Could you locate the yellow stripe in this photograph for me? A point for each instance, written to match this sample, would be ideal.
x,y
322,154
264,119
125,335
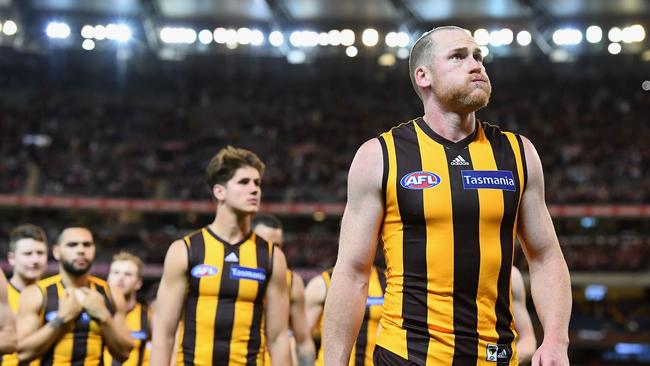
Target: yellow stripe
x,y
243,306
520,172
392,336
179,341
440,251
206,308
491,214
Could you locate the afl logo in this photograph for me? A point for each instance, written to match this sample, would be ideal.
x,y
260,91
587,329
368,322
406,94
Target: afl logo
x,y
420,180
203,270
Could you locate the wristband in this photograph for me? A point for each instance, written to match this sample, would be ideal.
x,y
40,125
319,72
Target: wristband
x,y
57,322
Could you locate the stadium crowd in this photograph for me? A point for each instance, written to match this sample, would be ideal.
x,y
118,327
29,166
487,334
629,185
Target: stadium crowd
x,y
151,138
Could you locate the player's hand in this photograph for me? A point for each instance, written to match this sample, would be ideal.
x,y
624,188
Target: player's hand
x,y
551,354
69,307
93,303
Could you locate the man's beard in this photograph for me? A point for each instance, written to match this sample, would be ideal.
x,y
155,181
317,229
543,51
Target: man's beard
x,y
463,100
74,271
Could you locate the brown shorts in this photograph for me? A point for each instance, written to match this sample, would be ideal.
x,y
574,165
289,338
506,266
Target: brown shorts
x,y
383,357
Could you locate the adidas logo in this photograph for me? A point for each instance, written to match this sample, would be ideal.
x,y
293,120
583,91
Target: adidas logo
x,y
459,161
232,257
503,354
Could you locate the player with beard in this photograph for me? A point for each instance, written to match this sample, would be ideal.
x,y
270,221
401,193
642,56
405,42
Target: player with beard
x,y
224,284
69,318
7,321
448,194
125,273
28,258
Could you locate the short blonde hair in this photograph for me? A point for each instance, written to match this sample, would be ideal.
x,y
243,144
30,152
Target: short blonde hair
x,y
126,256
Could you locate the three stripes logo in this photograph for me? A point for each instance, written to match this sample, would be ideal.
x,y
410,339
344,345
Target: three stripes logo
x,y
458,160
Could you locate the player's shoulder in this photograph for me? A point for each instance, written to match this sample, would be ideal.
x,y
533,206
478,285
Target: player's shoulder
x,y
97,281
46,282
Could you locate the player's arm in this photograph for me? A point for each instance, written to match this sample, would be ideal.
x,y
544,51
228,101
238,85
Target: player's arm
x,y
526,342
34,337
7,321
304,342
315,293
277,312
169,301
113,327
346,299
549,275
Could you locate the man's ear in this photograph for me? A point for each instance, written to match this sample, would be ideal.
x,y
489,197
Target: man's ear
x,y
55,252
218,191
423,77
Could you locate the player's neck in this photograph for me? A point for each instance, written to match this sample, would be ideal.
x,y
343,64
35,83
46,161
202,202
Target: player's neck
x,y
131,301
452,126
230,226
19,283
71,281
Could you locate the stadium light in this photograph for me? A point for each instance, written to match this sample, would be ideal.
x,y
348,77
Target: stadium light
x,y
10,28
634,33
230,38
351,51
88,31
615,34
334,37
347,38
177,35
257,37
484,51
276,38
614,48
100,32
502,37
386,60
88,44
205,36
524,38
219,35
403,53
296,57
482,37
391,39
567,37
118,32
323,39
403,39
244,36
58,30
370,37
303,39
594,34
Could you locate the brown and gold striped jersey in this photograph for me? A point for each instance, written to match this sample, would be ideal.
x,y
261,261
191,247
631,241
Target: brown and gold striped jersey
x,y
82,343
223,317
363,347
138,321
449,230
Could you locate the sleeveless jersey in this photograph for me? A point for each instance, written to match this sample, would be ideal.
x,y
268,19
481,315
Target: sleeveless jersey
x,y
449,230
223,317
137,321
363,347
82,343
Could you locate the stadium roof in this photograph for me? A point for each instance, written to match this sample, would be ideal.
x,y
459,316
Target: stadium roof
x,y
349,11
